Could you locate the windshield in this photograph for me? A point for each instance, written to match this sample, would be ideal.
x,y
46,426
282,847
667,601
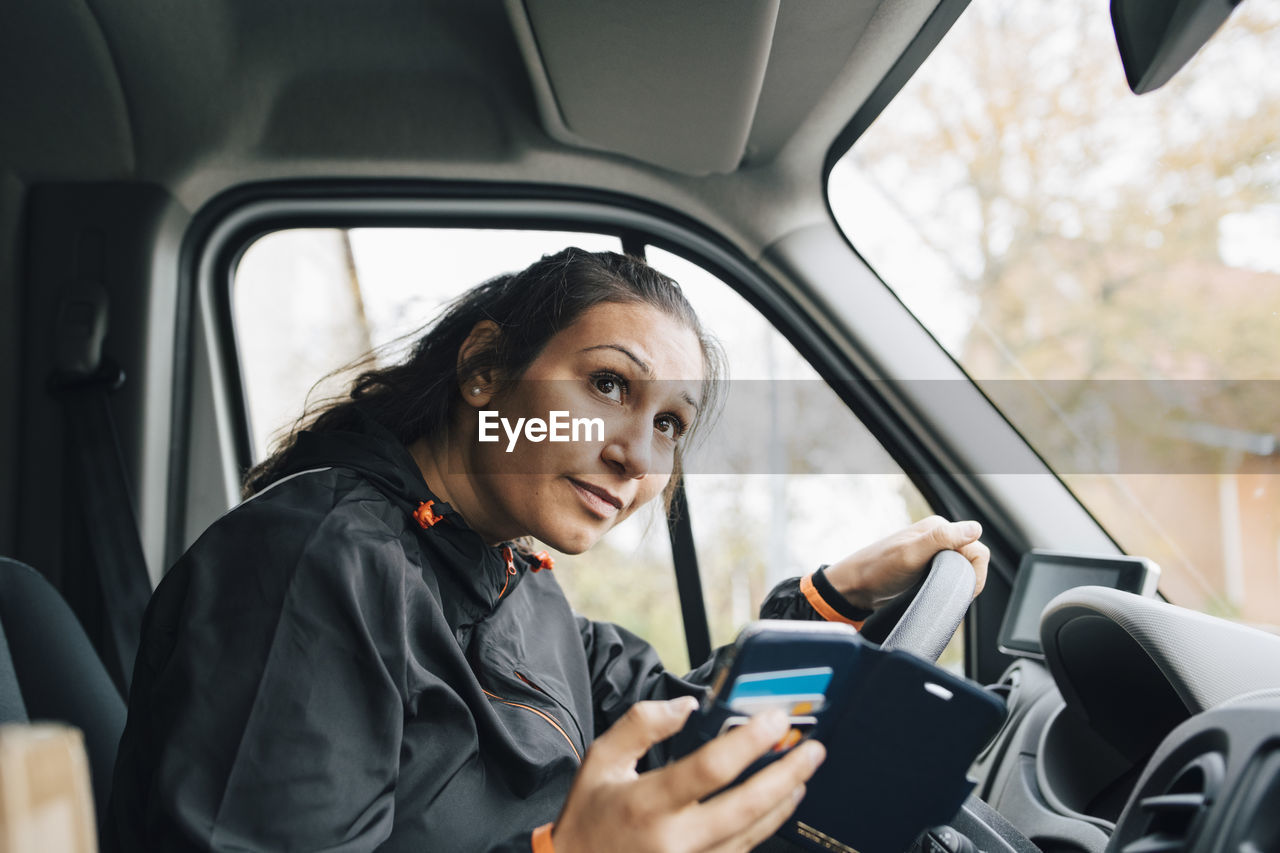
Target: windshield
x,y
1106,267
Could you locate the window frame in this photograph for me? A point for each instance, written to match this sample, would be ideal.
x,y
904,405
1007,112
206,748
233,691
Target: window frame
x,y
223,230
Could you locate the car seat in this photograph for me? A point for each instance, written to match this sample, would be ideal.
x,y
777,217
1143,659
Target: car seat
x,y
50,671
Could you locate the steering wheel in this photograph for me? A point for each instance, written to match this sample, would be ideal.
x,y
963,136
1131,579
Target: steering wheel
x,y
923,619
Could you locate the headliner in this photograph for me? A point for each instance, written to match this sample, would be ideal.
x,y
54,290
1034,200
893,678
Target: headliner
x,y
724,110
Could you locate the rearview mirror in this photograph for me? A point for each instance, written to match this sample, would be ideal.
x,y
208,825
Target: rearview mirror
x,y
1157,37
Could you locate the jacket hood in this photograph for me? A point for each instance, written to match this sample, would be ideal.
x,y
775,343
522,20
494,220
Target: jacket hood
x,y
373,452
485,572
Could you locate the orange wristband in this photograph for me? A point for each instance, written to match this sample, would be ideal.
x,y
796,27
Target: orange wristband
x,y
825,610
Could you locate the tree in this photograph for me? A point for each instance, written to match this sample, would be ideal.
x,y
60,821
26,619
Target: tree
x,y
1097,237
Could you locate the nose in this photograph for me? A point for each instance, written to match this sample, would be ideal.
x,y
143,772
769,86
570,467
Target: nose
x,y
628,448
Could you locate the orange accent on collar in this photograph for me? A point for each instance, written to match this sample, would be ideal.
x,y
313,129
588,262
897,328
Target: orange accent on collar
x,y
544,561
826,611
426,516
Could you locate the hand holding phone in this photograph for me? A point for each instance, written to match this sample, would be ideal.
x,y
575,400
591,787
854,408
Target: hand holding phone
x,y
787,666
677,807
900,732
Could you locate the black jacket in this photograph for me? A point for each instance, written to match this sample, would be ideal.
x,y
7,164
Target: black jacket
x,y
321,671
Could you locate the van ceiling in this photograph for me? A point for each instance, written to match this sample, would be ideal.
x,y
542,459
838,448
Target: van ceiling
x,y
200,97
634,78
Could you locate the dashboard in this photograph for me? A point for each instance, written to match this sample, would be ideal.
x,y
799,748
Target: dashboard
x,y
1148,728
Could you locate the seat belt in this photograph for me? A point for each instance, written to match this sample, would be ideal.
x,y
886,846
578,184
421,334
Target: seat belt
x,y
83,379
693,610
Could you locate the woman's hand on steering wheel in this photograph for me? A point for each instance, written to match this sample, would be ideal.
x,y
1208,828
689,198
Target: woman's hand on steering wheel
x,y
671,809
874,575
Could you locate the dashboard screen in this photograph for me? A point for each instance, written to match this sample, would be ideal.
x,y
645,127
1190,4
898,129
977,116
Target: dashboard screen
x,y
1043,575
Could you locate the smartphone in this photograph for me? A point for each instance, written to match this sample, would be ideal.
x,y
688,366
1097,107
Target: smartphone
x,y
796,667
900,731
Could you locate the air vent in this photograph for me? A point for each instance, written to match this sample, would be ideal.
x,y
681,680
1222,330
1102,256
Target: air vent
x,y
1174,814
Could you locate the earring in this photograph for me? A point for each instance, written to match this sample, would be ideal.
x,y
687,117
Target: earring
x,y
475,392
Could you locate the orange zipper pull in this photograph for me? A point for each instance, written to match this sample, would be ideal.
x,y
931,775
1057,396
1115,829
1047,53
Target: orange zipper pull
x,y
511,569
544,561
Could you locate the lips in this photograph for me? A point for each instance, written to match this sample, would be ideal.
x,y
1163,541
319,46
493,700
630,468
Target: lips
x,y
600,501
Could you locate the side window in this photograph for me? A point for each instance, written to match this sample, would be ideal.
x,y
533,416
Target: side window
x,y
311,301
787,479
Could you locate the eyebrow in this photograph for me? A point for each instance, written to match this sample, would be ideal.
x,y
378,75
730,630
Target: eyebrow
x,y
643,365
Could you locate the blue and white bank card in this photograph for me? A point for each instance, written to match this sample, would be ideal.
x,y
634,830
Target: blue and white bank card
x,y
795,691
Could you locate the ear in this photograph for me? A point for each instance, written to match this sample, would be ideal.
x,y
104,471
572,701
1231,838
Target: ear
x,y
477,388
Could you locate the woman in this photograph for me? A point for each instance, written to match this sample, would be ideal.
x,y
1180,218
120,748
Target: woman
x,y
363,654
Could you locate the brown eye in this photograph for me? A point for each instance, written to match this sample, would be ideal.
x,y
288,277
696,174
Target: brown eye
x,y
608,385
670,426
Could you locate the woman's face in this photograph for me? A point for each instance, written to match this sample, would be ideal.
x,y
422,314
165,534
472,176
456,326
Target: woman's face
x,y
636,372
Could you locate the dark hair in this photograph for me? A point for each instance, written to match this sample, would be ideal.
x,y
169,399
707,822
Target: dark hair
x,y
416,397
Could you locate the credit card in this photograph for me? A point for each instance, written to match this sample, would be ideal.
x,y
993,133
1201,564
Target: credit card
x,y
793,685
793,705
800,726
